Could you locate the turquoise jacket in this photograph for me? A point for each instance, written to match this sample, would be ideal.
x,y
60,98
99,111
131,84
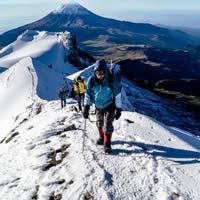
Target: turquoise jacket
x,y
100,92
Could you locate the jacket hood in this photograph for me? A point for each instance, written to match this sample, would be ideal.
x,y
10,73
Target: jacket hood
x,y
100,65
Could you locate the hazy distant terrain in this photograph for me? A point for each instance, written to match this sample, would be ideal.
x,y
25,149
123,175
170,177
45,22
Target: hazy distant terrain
x,y
192,31
169,73
93,30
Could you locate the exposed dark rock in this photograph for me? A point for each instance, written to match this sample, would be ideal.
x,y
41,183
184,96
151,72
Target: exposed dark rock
x,y
38,108
24,120
35,195
56,197
175,196
129,121
52,157
78,57
71,127
71,182
88,196
11,137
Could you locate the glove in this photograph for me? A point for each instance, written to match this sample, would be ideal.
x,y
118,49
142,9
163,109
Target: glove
x,y
86,111
118,113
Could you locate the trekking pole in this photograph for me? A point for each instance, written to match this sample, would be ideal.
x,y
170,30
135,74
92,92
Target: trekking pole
x,y
84,132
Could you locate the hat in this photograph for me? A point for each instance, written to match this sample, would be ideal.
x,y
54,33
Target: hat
x,y
79,78
100,65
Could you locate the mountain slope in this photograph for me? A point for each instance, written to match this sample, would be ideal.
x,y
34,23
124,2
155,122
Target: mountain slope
x,y
47,153
46,47
31,77
57,158
23,84
93,30
14,97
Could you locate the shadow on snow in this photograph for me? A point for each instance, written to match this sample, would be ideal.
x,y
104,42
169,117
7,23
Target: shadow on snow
x,y
158,150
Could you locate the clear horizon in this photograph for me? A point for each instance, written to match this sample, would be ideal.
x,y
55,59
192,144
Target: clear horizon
x,y
15,13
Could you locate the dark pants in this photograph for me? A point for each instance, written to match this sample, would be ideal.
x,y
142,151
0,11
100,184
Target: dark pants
x,y
63,103
80,101
105,118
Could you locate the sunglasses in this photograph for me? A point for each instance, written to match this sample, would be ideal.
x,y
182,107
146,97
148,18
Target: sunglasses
x,y
100,73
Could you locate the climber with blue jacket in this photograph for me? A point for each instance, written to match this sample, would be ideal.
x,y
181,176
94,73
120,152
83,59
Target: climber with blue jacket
x,y
103,89
62,95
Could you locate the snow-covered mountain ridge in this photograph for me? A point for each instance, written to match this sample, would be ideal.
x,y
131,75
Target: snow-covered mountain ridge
x,y
35,60
57,159
45,152
38,45
47,47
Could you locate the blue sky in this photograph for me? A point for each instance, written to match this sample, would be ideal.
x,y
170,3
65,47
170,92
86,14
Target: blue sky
x,y
119,4
170,12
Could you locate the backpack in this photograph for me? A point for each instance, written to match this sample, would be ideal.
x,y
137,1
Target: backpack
x,y
79,85
72,94
116,72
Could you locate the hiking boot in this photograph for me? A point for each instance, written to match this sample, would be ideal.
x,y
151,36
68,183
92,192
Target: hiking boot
x,y
107,150
100,141
107,144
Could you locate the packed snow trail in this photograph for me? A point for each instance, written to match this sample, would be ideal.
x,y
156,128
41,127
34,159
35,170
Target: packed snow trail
x,y
49,162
